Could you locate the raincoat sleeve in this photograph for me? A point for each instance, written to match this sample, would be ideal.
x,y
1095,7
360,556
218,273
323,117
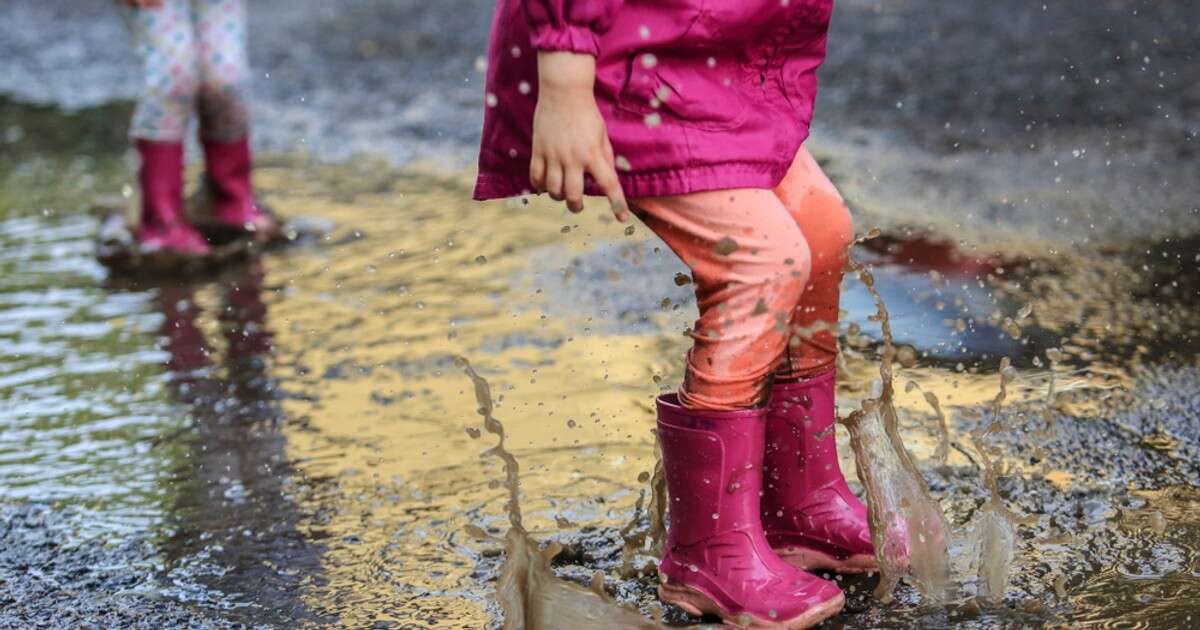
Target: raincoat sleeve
x,y
570,25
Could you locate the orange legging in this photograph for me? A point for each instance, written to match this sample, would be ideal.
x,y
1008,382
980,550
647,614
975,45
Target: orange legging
x,y
767,265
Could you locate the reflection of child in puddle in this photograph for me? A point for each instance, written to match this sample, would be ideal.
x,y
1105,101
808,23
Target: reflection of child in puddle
x,y
698,115
232,404
242,319
236,470
193,55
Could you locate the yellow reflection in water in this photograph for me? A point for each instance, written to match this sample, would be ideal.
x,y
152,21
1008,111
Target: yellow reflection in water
x,y
415,274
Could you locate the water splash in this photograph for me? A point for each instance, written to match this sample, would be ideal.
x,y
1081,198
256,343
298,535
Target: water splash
x,y
649,540
512,470
993,532
531,596
907,526
942,451
1050,431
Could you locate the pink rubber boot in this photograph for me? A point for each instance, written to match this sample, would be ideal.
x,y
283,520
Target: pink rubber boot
x,y
717,560
811,518
235,210
163,232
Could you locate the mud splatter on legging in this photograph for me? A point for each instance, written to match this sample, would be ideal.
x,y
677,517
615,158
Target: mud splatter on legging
x,y
767,266
194,59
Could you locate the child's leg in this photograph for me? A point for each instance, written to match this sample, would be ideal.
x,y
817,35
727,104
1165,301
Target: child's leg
x,y
224,126
822,215
224,68
750,262
165,43
810,516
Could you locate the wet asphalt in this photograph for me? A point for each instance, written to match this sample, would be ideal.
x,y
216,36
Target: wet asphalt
x,y
47,581
1007,123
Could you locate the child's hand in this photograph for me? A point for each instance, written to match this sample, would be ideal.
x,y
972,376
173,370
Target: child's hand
x,y
145,4
569,136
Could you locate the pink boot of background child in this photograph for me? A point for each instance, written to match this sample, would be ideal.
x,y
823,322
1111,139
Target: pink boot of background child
x,y
163,234
717,560
235,211
810,516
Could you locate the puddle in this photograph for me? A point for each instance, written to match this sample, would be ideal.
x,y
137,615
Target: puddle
x,y
297,441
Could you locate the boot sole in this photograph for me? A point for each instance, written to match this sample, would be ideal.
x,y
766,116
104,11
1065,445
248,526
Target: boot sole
x,y
810,559
695,602
199,209
117,248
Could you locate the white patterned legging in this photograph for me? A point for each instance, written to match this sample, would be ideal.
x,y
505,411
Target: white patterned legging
x,y
194,59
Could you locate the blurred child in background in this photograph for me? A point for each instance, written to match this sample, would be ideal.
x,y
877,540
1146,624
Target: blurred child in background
x,y
194,62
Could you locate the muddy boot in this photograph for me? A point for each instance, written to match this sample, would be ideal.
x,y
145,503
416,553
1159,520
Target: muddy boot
x,y
235,211
164,238
811,518
717,559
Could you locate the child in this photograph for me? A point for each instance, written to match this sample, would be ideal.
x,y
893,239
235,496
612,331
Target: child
x,y
706,106
193,56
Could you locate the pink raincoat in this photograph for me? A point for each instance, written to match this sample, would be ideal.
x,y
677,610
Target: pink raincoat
x,y
697,94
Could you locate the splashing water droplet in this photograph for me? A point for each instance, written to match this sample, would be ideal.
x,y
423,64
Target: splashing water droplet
x,y
898,501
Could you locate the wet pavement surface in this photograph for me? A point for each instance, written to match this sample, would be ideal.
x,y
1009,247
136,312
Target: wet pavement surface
x,y
293,443
51,580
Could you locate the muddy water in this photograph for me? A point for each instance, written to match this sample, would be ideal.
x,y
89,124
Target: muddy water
x,y
908,529
299,441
